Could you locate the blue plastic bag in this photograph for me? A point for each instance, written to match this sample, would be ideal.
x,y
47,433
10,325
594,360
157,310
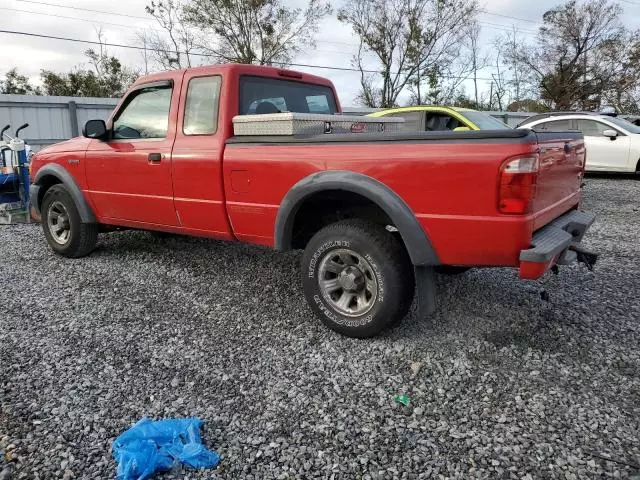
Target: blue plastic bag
x,y
154,446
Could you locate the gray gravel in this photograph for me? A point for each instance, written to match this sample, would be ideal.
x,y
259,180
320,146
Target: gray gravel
x,y
501,383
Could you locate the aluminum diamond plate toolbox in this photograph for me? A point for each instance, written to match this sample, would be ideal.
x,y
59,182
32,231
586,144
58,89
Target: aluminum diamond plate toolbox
x,y
292,123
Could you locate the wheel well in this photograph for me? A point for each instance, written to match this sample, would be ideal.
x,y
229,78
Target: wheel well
x,y
46,183
330,206
638,166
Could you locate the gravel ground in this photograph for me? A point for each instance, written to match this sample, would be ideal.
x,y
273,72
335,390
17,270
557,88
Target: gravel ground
x,y
501,383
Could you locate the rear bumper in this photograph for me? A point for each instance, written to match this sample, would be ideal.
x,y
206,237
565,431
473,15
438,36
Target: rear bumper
x,y
555,244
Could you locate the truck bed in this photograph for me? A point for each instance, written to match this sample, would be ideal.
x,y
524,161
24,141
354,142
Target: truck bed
x,y
448,179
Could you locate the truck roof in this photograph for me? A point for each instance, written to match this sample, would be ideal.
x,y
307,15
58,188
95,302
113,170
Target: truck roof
x,y
243,69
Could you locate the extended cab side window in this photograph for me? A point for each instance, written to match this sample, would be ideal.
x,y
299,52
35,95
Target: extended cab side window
x,y
145,114
201,106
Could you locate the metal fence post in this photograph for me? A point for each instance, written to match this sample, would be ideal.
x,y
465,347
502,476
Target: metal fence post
x,y
73,118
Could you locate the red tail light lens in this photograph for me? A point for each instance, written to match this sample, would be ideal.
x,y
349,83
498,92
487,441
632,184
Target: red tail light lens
x,y
518,180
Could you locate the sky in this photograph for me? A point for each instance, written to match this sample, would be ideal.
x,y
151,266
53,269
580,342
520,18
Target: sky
x,y
119,21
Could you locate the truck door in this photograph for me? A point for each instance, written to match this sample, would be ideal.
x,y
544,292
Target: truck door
x,y
197,157
129,175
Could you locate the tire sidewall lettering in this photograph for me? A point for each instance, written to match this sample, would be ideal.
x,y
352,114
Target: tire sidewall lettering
x,y
320,251
379,277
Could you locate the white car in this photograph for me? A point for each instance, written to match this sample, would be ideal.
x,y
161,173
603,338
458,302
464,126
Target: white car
x,y
612,143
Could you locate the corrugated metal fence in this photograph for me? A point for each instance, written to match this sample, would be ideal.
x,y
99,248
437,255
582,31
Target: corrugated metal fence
x,y
53,119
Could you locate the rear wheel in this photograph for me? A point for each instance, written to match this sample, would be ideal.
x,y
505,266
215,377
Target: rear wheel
x,y
357,277
63,227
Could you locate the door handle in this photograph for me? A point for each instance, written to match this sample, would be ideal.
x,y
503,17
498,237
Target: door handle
x,y
155,157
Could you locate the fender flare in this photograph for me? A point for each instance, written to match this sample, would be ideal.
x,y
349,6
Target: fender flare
x,y
418,245
65,178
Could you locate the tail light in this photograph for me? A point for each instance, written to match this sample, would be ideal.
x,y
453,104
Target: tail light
x,y
518,180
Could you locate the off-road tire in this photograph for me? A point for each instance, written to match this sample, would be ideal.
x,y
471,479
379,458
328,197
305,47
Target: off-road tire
x,y
82,236
381,254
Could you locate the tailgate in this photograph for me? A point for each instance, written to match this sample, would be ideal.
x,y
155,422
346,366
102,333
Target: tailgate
x,y
562,157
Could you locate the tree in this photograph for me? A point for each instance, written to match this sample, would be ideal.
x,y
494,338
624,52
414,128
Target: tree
x,y
499,84
566,61
446,80
107,78
264,32
412,41
621,59
174,48
513,74
17,84
527,105
479,60
463,101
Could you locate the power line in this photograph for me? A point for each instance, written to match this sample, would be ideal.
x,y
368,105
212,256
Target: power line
x,y
495,26
485,11
49,4
80,19
130,26
136,47
495,14
498,26
490,25
136,27
83,9
115,24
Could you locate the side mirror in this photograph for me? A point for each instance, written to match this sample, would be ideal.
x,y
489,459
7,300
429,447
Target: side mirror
x,y
95,129
611,133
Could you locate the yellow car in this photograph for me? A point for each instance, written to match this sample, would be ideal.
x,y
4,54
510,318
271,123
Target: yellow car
x,y
434,119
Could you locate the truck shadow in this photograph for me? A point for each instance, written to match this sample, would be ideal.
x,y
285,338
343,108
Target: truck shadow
x,y
490,305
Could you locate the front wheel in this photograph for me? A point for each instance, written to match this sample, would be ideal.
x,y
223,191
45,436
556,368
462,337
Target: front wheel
x,y
357,277
63,227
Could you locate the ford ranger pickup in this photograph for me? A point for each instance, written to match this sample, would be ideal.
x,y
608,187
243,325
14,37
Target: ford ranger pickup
x,y
375,213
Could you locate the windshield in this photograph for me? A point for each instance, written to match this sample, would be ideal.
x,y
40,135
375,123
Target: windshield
x,y
260,95
622,123
484,121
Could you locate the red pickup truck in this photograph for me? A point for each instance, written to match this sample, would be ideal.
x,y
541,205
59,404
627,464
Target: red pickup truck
x,y
376,213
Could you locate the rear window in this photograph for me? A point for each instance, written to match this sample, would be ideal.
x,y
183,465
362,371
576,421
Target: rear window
x,y
260,95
